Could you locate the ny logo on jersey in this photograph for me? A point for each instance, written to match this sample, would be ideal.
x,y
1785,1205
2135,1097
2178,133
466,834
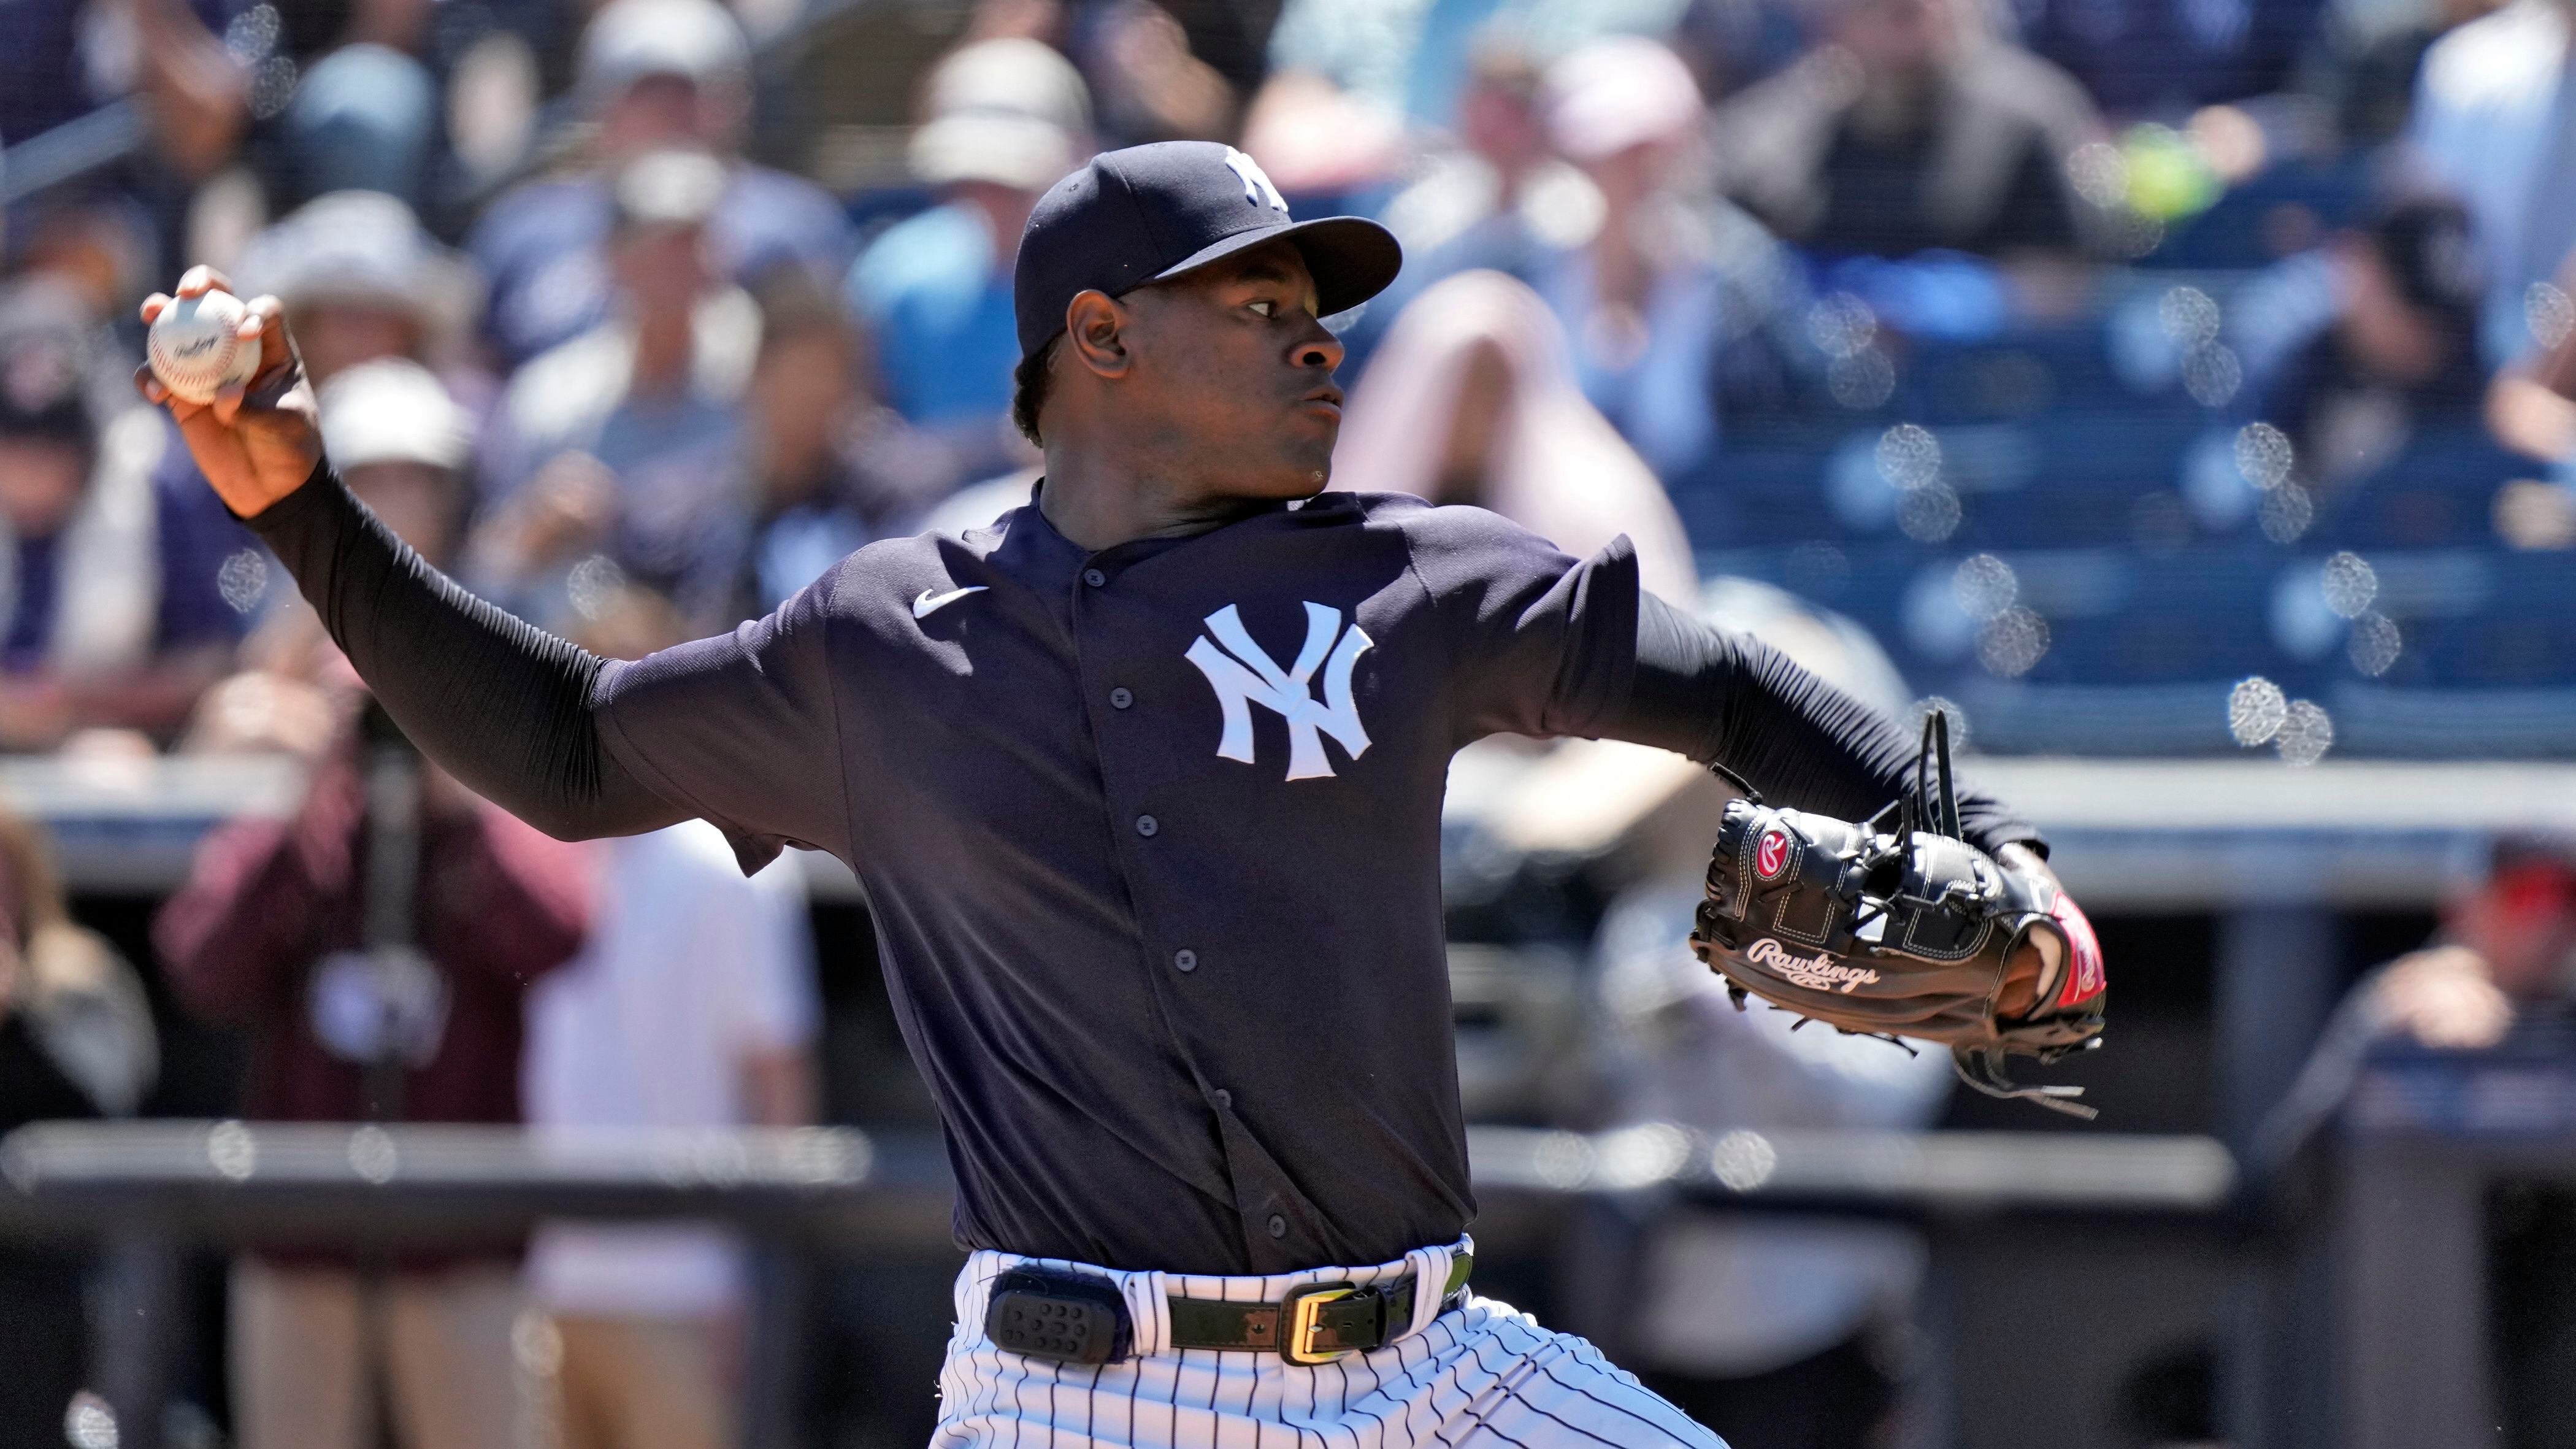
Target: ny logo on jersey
x,y
1243,675
1256,182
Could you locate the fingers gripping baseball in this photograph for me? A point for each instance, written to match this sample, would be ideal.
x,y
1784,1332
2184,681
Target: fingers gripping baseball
x,y
229,373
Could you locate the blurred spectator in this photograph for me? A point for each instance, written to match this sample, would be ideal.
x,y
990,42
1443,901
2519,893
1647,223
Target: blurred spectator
x,y
99,243
2365,57
1496,194
1412,60
1730,44
2506,950
2400,351
626,442
2507,944
76,1041
71,1008
281,930
1404,60
1912,126
67,59
1667,295
365,115
124,597
653,75
2495,124
810,428
1471,399
1641,295
1005,118
1151,87
692,1006
2148,58
347,93
363,280
1230,35
394,434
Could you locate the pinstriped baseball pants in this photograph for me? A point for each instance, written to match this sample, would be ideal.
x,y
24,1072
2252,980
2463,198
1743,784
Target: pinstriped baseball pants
x,y
1482,1376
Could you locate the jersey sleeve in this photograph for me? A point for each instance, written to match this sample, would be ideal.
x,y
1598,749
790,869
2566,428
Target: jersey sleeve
x,y
1730,701
504,706
740,729
1542,643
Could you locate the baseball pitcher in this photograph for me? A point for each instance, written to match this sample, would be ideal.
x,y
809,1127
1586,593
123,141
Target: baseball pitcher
x,y
1144,783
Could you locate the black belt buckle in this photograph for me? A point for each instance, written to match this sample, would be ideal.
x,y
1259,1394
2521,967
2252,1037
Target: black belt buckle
x,y
1067,1317
1320,1322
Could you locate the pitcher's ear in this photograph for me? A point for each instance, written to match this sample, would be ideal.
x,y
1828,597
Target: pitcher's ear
x,y
1095,332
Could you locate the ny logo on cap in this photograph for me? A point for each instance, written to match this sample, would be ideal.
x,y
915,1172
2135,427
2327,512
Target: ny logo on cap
x,y
1256,182
1250,676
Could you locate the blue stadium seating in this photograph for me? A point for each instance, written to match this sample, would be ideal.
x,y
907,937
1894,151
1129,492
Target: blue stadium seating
x,y
2091,476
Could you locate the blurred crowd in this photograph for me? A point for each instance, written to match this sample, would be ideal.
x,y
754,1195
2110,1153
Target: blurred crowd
x,y
636,315
567,278
567,283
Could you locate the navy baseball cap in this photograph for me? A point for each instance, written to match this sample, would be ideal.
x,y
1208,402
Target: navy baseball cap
x,y
1151,213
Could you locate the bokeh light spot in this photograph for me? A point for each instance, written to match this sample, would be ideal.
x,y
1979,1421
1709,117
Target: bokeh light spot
x,y
2264,455
2255,709
2375,644
2306,733
2012,642
2350,583
1929,514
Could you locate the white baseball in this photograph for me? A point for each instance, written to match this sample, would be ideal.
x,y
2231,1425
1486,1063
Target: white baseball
x,y
196,349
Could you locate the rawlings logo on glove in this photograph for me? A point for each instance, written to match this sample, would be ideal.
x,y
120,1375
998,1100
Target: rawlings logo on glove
x,y
1895,927
1818,972
1772,855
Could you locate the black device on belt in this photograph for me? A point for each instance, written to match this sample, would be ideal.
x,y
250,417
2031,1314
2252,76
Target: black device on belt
x,y
1079,1318
1068,1317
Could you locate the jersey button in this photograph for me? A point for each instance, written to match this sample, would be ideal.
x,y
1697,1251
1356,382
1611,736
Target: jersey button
x,y
1094,577
1278,1226
1224,1098
1146,825
1185,959
1120,698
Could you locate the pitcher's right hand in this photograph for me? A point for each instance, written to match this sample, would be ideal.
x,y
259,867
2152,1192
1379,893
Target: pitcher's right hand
x,y
256,442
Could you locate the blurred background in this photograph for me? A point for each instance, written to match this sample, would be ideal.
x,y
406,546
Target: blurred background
x,y
2167,389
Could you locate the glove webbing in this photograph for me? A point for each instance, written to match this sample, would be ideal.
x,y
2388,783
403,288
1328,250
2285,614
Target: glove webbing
x,y
1984,1070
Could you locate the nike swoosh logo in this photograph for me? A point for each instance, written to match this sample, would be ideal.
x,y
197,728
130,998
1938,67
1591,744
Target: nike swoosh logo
x,y
930,603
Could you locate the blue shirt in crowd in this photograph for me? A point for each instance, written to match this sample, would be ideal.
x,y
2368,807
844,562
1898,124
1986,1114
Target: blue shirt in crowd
x,y
939,303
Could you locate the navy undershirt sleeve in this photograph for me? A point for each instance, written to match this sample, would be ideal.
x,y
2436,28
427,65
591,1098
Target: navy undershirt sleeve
x,y
1732,702
501,704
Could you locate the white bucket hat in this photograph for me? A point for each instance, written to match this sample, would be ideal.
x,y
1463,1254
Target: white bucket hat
x,y
1012,112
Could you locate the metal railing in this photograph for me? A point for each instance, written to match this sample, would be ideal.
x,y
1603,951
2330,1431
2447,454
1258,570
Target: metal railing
x,y
149,1192
72,150
2148,834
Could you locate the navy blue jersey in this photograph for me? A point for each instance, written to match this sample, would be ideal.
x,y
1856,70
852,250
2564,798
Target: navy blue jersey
x,y
1152,840
1151,834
